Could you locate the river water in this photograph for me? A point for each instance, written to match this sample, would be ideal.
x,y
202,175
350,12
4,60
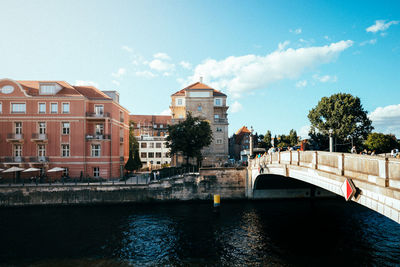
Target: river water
x,y
257,233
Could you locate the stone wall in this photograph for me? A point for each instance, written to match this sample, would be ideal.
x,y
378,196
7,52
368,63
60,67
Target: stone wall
x,y
228,182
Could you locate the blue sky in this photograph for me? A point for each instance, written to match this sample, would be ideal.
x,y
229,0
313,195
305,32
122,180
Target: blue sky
x,y
274,59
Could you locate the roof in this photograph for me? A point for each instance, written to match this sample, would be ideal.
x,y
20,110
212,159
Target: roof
x,y
32,88
153,119
243,130
199,86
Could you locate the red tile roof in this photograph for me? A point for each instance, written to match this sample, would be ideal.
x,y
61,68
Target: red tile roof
x,y
199,86
243,130
154,119
91,92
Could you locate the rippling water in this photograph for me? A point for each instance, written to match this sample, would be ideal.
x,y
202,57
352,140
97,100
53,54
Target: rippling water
x,y
262,233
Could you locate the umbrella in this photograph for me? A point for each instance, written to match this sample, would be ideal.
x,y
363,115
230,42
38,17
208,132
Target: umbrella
x,y
1,169
31,170
55,169
14,169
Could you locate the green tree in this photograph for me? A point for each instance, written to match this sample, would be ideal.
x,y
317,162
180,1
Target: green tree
x,y
381,143
137,163
134,162
267,139
189,137
293,138
344,114
130,165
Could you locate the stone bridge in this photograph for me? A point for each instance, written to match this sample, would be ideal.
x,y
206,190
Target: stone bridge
x,y
377,179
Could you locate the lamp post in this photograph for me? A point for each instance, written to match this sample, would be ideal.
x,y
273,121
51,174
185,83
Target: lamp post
x,y
251,143
330,140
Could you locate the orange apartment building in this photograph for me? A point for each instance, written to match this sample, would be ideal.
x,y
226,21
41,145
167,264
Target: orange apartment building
x,y
46,124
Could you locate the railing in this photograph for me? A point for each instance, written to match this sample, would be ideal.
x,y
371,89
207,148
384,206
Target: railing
x,y
98,115
14,159
37,136
14,136
98,137
220,120
373,169
39,159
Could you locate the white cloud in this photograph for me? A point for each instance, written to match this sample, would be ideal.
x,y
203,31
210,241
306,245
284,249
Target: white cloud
x,y
386,119
303,132
325,78
166,112
302,83
127,48
326,37
86,83
116,82
119,73
166,74
160,65
296,31
244,74
372,42
282,46
145,74
185,65
161,56
380,25
236,107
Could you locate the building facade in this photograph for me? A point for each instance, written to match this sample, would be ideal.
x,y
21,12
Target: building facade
x,y
208,104
238,142
46,124
151,131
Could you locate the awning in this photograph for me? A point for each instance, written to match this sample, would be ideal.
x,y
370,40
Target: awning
x,y
56,169
14,169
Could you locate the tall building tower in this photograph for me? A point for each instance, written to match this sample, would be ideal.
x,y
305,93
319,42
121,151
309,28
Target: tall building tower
x,y
208,104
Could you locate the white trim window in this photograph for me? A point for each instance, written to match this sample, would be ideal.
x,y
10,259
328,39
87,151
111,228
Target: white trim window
x,y
218,102
99,110
42,127
180,102
47,89
65,108
18,127
41,150
17,150
54,108
42,108
96,150
18,107
96,172
65,127
65,171
219,141
99,129
1,107
65,150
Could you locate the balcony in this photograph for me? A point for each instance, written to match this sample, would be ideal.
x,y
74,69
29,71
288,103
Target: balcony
x,y
98,137
97,115
221,120
39,137
13,137
14,159
40,159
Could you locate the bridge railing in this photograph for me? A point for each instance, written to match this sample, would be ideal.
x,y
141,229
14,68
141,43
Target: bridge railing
x,y
374,169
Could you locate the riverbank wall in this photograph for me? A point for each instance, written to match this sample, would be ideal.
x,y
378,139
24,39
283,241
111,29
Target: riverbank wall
x,y
228,182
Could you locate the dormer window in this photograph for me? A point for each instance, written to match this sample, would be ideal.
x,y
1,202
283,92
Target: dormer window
x,y
218,102
48,89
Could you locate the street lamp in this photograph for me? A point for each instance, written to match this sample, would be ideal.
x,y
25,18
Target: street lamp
x,y
330,140
251,142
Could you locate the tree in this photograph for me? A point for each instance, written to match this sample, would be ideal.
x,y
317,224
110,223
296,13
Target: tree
x,y
134,162
130,165
293,138
189,137
267,139
381,143
344,114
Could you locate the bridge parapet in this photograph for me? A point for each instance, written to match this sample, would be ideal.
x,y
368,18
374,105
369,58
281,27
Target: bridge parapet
x,y
374,169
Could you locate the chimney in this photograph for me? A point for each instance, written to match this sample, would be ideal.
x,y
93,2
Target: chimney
x,y
201,79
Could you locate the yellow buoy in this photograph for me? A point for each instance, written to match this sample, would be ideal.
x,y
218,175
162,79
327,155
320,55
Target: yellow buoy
x,y
217,200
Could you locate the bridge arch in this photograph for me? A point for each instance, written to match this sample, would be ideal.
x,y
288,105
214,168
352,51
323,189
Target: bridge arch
x,y
377,179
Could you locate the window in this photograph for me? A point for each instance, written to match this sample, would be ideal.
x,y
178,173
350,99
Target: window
x,y
143,145
158,162
246,140
65,107
165,155
54,108
151,145
66,171
218,102
48,89
219,141
216,116
42,127
151,155
199,108
143,155
179,102
41,150
42,107
99,129
18,108
65,150
155,126
99,110
17,150
181,116
219,129
96,150
65,127
161,126
1,107
158,154
18,127
96,172
158,145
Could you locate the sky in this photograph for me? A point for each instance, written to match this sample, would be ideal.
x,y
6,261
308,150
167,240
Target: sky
x,y
274,59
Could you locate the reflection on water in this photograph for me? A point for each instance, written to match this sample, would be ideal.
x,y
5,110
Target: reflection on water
x,y
277,233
